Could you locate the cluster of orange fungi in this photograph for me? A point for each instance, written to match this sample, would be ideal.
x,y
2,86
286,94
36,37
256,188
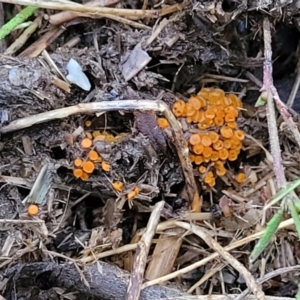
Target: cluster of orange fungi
x,y
85,167
215,136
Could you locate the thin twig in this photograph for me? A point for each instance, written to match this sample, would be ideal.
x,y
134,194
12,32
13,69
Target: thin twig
x,y
104,106
140,261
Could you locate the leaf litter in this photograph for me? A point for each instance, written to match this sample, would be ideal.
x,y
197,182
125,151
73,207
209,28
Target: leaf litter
x,y
92,226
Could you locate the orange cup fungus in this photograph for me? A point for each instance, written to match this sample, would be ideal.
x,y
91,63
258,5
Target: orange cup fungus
x,y
118,186
88,167
131,195
105,166
241,177
85,167
162,123
32,210
78,162
86,143
219,139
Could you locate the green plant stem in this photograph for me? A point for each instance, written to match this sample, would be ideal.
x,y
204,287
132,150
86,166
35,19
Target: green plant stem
x,y
18,19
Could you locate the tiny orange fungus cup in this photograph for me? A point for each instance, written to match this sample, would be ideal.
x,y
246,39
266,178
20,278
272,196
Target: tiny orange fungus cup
x,y
77,173
206,140
88,167
105,166
93,155
118,186
195,139
240,178
78,162
32,210
86,143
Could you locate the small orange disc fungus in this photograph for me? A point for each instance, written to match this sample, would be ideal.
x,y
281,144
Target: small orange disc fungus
x,y
202,126
212,182
204,93
78,162
223,154
214,156
213,136
239,134
84,176
178,108
201,117
202,169
206,140
218,145
110,138
77,173
189,120
136,190
226,132
198,159
88,167
86,143
96,133
220,113
192,157
32,210
241,177
118,186
232,155
195,102
209,178
207,152
93,155
162,123
196,116
105,166
198,148
208,122
232,125
221,172
131,195
210,114
232,110
230,117
219,121
195,139
190,110
235,101
88,123
227,144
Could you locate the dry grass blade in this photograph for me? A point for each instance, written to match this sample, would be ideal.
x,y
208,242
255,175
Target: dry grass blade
x,y
165,253
97,11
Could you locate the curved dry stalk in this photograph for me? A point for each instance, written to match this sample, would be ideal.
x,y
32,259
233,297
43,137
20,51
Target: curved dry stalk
x,y
249,279
104,106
